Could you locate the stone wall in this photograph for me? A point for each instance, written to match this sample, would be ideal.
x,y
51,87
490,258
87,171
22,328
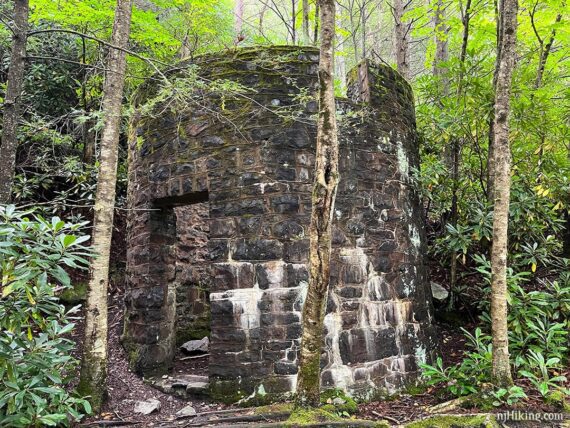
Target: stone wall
x,y
251,156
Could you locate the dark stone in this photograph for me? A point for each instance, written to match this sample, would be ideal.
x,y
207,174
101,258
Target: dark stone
x,y
285,368
217,249
288,229
257,249
246,207
296,251
285,204
351,292
296,274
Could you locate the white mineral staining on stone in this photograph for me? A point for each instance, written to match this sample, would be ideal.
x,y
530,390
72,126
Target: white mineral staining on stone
x,y
341,374
338,214
415,239
245,305
263,185
421,354
398,365
403,162
377,287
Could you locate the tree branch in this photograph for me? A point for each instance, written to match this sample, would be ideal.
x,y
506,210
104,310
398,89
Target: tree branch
x,y
149,61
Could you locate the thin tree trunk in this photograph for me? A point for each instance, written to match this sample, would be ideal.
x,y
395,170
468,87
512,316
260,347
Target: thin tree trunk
x,y
441,45
293,21
544,53
238,17
491,148
89,135
401,39
502,173
261,17
454,157
185,47
323,199
94,361
306,35
11,117
363,23
316,29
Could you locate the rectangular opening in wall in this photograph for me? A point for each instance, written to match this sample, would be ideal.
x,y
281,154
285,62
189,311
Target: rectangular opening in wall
x,y
192,278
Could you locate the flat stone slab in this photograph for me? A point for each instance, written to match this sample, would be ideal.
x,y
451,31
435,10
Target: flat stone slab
x,y
181,385
186,412
196,346
147,407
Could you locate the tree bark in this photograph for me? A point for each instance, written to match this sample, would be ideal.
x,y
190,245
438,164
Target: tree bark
x,y
293,22
316,28
441,45
306,32
491,148
363,23
401,40
89,135
238,17
94,361
544,53
323,199
261,17
11,117
453,156
502,172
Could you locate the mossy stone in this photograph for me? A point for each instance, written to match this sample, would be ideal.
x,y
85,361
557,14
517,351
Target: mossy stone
x,y
344,403
74,295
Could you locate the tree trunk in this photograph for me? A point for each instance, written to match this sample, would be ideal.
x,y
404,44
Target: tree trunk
x,y
363,23
323,198
89,134
453,157
293,22
316,29
502,172
238,17
11,117
94,361
261,17
306,33
491,148
544,53
441,46
401,39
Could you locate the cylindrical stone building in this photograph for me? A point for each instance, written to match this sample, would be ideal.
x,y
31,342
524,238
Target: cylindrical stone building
x,y
220,180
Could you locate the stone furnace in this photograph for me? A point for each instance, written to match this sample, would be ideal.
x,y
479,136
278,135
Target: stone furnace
x,y
220,178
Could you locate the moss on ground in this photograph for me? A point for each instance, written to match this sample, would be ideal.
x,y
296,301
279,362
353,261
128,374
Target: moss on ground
x,y
339,401
456,421
309,416
560,400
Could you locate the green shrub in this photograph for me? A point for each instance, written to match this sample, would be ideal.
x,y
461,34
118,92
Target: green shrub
x,y
539,332
35,354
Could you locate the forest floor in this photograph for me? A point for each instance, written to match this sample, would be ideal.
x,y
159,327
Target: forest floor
x,y
126,388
